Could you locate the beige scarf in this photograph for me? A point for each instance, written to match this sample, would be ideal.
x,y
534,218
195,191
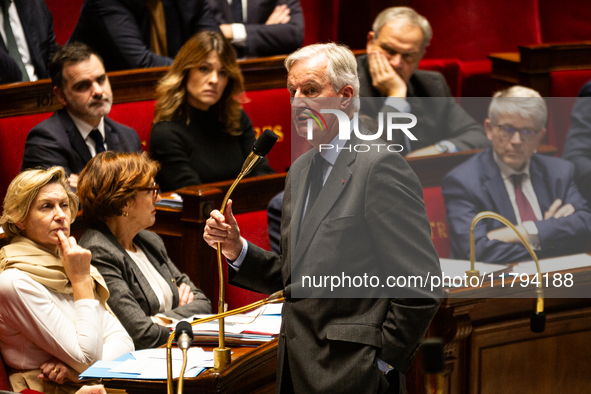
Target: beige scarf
x,y
46,268
158,42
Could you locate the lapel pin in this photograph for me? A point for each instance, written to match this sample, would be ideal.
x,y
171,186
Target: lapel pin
x,y
343,181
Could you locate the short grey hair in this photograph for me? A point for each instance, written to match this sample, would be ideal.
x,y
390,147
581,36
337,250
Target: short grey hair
x,y
407,15
521,101
342,65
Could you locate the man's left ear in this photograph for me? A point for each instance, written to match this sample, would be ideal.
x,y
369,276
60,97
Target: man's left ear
x,y
347,99
541,136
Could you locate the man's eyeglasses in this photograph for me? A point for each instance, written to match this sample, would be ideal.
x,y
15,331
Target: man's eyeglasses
x,y
155,189
525,134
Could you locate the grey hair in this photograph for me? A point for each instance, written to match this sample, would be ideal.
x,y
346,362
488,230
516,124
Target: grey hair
x,y
342,65
521,101
408,15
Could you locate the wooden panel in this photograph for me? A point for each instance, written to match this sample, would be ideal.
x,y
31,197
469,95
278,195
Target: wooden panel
x,y
509,358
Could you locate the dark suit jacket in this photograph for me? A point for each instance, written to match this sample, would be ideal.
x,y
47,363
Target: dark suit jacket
x,y
38,27
57,142
477,186
119,30
331,344
131,297
261,39
439,117
577,148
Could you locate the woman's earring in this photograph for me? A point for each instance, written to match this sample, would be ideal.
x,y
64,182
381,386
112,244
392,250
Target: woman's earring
x,y
126,214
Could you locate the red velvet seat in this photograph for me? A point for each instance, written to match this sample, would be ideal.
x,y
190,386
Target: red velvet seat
x,y
138,115
4,383
253,227
13,134
65,16
271,109
436,213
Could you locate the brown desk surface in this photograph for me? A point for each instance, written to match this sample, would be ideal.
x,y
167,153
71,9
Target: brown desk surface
x,y
252,371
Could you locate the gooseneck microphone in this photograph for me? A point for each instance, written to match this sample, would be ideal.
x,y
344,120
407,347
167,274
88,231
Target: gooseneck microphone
x,y
262,146
183,335
433,365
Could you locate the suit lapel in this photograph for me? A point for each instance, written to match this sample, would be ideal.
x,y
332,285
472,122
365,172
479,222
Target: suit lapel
x,y
74,136
161,268
333,187
495,186
540,183
112,138
299,190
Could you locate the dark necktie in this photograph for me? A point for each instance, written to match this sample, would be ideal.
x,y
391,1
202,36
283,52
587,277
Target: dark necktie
x,y
98,141
315,181
525,210
237,11
11,44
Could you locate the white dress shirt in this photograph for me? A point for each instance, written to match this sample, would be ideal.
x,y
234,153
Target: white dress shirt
x,y
85,129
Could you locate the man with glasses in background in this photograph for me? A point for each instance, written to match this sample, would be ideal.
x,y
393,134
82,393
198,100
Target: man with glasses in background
x,y
395,46
536,193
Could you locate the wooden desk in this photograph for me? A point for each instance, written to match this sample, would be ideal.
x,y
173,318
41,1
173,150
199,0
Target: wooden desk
x,y
531,66
489,347
252,371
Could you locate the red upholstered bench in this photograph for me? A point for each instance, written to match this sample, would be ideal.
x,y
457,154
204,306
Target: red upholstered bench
x,y
138,115
451,70
4,383
271,109
436,213
13,134
253,227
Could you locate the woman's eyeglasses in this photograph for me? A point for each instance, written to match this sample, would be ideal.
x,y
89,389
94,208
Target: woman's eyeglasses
x,y
155,189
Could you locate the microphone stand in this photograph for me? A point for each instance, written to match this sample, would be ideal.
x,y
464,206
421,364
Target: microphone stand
x,y
538,316
275,298
222,354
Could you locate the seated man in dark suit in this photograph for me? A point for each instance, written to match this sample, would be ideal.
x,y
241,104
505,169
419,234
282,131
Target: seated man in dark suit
x,y
140,33
578,143
395,47
74,134
537,193
260,27
27,43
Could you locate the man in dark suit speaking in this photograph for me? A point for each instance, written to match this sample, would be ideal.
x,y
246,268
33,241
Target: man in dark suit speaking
x,y
74,134
354,211
536,193
389,72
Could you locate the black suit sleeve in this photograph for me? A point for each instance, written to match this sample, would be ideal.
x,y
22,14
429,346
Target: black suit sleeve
x,y
578,143
266,40
115,23
9,71
42,149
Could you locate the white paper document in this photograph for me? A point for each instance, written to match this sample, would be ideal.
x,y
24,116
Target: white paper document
x,y
554,264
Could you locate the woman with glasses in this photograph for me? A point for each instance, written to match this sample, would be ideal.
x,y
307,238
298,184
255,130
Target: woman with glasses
x,y
200,133
118,196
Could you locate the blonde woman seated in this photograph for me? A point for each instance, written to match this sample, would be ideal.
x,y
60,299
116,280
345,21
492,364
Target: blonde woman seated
x,y
118,196
200,133
54,319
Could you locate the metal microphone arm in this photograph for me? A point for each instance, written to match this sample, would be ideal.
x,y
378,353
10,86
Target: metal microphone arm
x,y
275,298
539,303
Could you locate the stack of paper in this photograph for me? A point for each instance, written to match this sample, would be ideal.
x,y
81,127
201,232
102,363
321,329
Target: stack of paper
x,y
150,364
171,200
251,329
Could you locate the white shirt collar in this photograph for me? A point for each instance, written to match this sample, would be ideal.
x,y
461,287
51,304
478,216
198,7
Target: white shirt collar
x,y
507,171
85,129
